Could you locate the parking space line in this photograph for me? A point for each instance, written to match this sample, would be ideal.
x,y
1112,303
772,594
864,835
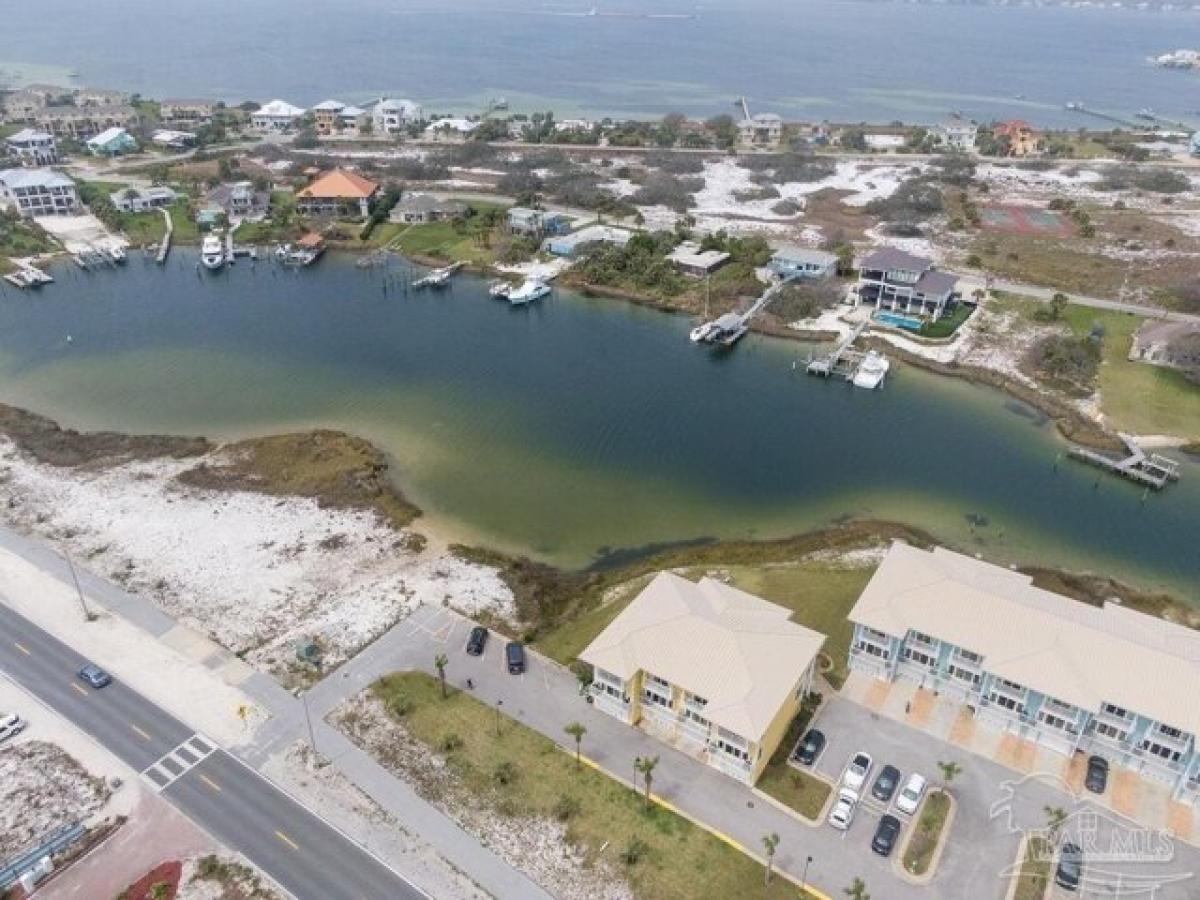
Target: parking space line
x,y
22,648
212,784
139,732
78,688
287,840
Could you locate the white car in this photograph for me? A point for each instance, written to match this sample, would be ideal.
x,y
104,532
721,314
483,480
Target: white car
x,y
10,726
858,770
910,797
842,813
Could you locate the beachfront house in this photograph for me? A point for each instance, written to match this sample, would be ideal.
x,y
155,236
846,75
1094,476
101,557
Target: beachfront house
x,y
762,130
238,200
327,116
421,208
1196,144
187,112
900,282
535,223
572,244
353,117
1019,138
175,140
338,193
450,129
134,200
956,134
81,123
709,669
689,259
31,147
39,192
85,97
275,115
111,142
390,116
23,105
790,261
1058,673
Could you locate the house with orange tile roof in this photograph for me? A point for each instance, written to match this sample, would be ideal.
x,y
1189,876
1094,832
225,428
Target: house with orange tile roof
x,y
336,193
1022,139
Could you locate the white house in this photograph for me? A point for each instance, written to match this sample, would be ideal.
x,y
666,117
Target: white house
x,y
956,134
450,129
176,140
762,130
790,261
135,200
276,115
39,192
32,147
390,116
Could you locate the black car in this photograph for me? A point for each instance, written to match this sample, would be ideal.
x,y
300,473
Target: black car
x,y
514,653
1070,867
809,748
95,676
886,834
1097,774
477,641
885,785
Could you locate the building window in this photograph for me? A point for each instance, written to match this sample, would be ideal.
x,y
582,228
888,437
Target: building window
x,y
1012,685
1010,703
732,750
1054,721
1112,732
968,656
966,675
872,650
1170,731
1063,709
694,717
1168,753
919,657
1116,711
878,636
657,699
654,679
697,701
921,638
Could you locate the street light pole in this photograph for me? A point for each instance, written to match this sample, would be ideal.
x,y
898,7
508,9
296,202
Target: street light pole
x,y
804,874
87,614
499,703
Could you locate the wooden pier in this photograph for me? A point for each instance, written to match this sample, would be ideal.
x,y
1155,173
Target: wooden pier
x,y
842,360
1150,470
727,330
165,247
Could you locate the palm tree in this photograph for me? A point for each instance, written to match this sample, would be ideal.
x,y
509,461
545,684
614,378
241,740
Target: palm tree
x,y
576,730
1056,817
440,661
770,843
645,766
950,770
857,890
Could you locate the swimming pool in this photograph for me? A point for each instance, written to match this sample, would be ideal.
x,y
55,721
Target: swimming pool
x,y
912,323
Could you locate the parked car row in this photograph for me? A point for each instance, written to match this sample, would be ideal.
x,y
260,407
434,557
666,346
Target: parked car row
x,y
514,651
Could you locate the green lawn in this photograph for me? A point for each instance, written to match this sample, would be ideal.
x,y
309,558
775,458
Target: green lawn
x,y
801,791
472,241
819,595
148,227
947,325
1035,870
521,773
926,833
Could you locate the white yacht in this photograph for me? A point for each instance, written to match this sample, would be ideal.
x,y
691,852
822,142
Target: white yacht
x,y
872,370
702,332
117,253
500,290
528,292
212,253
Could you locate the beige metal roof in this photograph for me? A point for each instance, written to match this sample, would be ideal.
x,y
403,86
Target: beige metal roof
x,y
736,650
1081,654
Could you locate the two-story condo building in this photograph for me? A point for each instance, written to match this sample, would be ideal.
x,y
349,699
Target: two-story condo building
x,y
182,111
895,280
714,671
957,134
390,116
32,148
337,193
39,192
275,115
82,122
1064,674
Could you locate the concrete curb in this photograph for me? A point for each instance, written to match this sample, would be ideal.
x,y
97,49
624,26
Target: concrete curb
x,y
943,839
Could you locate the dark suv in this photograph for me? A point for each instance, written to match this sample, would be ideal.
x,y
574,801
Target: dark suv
x,y
514,653
885,835
477,641
1097,774
810,747
1070,867
885,785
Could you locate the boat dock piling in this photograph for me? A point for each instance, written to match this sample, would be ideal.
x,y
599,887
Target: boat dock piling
x,y
165,247
842,360
730,328
1151,470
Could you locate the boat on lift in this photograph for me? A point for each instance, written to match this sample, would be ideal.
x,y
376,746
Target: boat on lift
x,y
528,292
703,332
116,253
212,253
871,371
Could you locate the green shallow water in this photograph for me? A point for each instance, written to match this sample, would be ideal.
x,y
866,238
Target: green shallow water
x,y
579,428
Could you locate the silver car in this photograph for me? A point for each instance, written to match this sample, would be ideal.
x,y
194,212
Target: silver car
x,y
10,726
842,813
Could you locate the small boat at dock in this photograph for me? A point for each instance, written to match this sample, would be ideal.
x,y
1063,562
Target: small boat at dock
x,y
304,252
528,292
499,290
871,371
116,253
212,253
438,277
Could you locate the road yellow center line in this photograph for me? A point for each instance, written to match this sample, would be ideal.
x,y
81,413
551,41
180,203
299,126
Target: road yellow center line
x,y
216,787
78,688
287,840
140,732
22,648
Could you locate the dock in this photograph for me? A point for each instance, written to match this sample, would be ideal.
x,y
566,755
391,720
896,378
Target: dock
x,y
438,277
727,330
165,246
842,360
1151,470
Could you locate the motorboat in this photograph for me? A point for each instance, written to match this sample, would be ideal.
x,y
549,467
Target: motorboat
x,y
212,253
703,332
116,253
871,371
499,290
528,292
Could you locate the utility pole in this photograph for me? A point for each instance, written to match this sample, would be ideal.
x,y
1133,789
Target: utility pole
x,y
499,703
804,873
88,616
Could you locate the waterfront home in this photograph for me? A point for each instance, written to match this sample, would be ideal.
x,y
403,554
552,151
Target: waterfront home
x,y
39,192
176,140
238,200
1196,144
1066,675
84,97
338,193
23,105
326,116
449,129
956,134
134,200
762,130
31,147
689,259
81,123
111,142
187,112
353,117
535,223
420,208
898,281
1019,137
712,670
275,115
393,116
884,142
790,261
569,245
573,126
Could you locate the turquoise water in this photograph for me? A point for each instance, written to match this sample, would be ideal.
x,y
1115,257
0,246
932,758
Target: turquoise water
x,y
845,61
575,429
899,321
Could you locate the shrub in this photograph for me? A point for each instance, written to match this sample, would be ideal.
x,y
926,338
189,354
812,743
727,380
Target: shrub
x,y
665,189
565,808
1184,351
677,163
800,300
786,208
914,200
1066,361
399,705
505,773
450,743
634,851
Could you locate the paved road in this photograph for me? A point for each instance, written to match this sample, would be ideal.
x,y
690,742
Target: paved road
x,y
249,814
